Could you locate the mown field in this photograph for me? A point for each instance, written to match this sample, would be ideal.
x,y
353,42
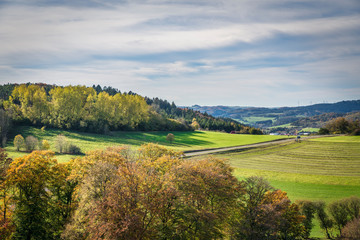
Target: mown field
x,y
318,169
183,140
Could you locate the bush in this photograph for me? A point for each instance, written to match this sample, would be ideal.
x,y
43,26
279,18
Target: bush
x,y
73,149
60,143
356,132
324,131
351,230
170,137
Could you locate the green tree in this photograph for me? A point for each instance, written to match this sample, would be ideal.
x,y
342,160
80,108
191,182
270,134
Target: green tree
x,y
325,221
338,211
5,125
308,210
62,202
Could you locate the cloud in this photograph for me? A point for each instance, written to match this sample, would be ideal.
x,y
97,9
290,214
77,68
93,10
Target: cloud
x,y
161,47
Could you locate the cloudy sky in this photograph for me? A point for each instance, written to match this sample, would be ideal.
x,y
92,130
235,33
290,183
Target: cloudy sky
x,y
207,52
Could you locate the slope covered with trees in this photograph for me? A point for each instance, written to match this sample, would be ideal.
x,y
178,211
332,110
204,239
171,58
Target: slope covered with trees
x,y
268,117
97,109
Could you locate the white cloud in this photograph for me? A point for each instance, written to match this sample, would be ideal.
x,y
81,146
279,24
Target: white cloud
x,y
64,44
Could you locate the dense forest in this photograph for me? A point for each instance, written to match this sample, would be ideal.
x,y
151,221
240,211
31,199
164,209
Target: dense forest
x,y
101,110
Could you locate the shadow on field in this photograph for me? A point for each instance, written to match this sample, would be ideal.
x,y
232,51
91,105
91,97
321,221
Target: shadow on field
x,y
182,139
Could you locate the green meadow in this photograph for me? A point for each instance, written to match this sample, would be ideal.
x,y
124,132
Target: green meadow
x,y
325,169
183,140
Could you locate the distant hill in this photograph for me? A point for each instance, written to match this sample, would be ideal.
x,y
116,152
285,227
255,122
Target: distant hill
x,y
271,117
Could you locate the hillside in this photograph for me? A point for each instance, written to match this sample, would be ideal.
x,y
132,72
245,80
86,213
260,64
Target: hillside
x,y
99,109
270,117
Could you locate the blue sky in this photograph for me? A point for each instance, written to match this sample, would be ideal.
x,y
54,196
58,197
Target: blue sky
x,y
231,52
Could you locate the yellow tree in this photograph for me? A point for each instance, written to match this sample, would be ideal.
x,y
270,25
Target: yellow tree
x,y
68,105
29,177
33,101
6,227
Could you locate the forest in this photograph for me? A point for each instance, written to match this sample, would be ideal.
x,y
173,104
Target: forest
x,y
100,110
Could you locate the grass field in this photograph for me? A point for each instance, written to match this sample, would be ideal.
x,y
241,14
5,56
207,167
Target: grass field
x,y
183,140
310,129
258,119
318,169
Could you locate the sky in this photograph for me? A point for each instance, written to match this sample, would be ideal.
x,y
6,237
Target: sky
x,y
264,53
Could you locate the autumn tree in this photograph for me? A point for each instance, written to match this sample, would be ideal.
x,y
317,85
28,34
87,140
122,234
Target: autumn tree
x,y
267,214
351,230
153,194
6,226
29,176
246,226
170,138
92,173
45,145
195,125
19,142
153,151
209,195
67,105
33,102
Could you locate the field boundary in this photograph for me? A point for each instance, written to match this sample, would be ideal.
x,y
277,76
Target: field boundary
x,y
193,153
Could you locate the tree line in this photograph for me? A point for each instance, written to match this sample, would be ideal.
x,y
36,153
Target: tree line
x,y
100,110
341,125
153,193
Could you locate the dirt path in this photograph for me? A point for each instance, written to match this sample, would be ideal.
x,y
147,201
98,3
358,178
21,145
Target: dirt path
x,y
227,149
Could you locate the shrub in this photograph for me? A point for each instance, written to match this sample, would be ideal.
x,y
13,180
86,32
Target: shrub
x,y
170,137
324,131
60,143
30,143
73,149
351,230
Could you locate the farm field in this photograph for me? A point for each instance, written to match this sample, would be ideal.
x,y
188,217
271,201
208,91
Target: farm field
x,y
183,140
318,169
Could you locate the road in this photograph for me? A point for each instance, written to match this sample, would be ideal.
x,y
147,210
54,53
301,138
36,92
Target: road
x,y
227,149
